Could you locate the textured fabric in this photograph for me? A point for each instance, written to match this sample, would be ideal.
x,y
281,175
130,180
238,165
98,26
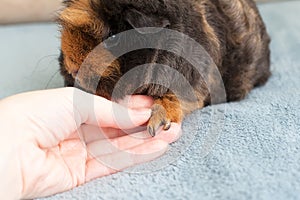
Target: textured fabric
x,y
256,154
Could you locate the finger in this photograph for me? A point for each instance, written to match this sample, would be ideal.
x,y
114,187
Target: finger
x,y
141,133
58,121
171,135
96,110
58,113
137,101
112,163
90,133
108,146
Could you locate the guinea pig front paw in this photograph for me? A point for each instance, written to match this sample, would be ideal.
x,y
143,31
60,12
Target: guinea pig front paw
x,y
158,119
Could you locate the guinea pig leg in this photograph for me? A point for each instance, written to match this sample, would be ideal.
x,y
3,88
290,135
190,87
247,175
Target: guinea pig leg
x,y
164,111
169,109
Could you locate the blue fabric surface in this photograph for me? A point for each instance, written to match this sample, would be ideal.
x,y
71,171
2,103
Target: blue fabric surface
x,y
253,153
29,58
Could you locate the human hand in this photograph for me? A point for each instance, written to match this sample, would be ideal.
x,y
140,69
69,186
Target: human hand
x,y
52,141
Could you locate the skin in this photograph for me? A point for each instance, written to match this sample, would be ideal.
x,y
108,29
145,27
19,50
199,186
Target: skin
x,y
41,150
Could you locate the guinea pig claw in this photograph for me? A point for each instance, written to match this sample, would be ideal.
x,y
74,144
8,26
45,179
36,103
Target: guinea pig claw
x,y
158,120
167,125
154,127
151,131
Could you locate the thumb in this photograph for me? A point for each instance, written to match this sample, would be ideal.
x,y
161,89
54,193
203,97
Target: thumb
x,y
58,113
95,110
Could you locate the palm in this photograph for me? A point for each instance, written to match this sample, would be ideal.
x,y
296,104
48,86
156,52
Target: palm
x,y
80,159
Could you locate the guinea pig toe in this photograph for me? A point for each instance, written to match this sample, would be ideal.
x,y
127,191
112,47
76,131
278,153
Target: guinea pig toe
x,y
155,124
158,120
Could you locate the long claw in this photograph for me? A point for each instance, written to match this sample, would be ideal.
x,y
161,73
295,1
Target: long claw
x,y
151,131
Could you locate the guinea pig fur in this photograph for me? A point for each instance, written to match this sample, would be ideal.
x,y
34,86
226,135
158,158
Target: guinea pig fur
x,y
231,31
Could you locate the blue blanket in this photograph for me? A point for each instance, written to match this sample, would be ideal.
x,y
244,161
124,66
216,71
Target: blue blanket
x,y
242,150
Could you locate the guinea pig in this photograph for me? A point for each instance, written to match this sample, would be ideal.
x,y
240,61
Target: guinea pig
x,y
232,32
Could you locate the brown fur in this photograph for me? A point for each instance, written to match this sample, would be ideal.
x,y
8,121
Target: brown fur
x,y
231,31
